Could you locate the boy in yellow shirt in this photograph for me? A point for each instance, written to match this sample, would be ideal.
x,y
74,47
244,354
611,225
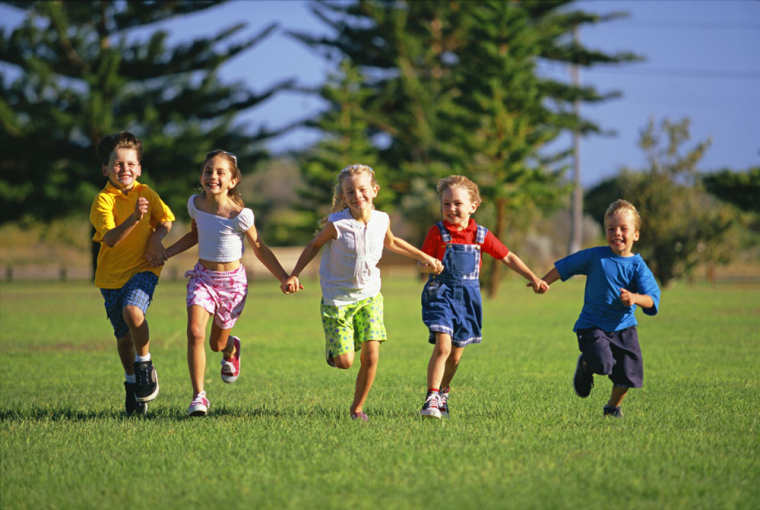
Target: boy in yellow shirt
x,y
130,221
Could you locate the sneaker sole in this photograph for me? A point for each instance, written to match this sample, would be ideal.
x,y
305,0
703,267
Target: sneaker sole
x,y
576,377
229,378
429,414
150,397
198,412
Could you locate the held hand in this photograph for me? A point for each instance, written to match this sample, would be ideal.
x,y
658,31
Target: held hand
x,y
628,298
141,208
291,285
538,286
155,254
434,265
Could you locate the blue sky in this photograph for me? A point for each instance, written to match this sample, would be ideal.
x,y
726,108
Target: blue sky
x,y
702,62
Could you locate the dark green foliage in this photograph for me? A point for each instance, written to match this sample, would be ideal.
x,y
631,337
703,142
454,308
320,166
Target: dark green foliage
x,y
739,188
83,74
452,87
682,225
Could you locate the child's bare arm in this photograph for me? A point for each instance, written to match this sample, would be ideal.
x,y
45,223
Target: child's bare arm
x,y
292,283
155,253
119,232
185,242
516,264
265,255
398,245
631,298
552,276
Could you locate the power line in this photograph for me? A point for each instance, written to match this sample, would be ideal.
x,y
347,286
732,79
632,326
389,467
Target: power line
x,y
684,73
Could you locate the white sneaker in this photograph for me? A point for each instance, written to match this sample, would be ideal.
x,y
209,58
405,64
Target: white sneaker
x,y
430,409
443,404
199,406
231,367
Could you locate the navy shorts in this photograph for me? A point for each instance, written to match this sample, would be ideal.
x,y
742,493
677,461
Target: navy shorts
x,y
138,291
454,309
616,354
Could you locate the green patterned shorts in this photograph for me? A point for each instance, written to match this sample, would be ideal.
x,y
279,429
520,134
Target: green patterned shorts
x,y
348,327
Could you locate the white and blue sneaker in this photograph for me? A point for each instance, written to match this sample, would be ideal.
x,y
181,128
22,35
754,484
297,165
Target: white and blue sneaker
x,y
431,407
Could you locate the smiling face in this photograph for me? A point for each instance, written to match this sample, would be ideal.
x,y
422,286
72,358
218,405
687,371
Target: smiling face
x,y
123,168
457,206
218,176
621,232
359,193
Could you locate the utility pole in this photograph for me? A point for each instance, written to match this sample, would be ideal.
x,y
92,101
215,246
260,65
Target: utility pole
x,y
576,201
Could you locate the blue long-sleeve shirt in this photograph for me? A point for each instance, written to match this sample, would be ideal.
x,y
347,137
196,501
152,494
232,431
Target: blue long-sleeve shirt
x,y
607,273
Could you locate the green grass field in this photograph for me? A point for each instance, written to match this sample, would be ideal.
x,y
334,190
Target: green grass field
x,y
281,437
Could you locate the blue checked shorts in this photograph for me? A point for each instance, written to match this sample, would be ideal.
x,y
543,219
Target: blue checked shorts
x,y
138,291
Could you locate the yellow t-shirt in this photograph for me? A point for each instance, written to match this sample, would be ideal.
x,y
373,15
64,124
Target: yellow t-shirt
x,y
117,264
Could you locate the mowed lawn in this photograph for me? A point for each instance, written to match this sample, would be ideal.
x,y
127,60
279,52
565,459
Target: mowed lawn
x,y
281,437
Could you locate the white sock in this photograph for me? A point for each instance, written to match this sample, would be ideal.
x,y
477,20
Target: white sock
x,y
130,378
142,358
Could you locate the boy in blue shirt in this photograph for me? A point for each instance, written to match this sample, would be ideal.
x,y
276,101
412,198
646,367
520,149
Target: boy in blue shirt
x,y
617,280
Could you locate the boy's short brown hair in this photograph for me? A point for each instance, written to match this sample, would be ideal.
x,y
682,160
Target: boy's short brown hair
x,y
621,204
121,140
461,181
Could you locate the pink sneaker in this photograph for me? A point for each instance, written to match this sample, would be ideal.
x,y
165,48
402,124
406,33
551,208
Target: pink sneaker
x,y
231,367
199,406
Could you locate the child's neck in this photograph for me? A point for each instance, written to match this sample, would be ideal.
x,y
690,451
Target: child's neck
x,y
220,203
364,215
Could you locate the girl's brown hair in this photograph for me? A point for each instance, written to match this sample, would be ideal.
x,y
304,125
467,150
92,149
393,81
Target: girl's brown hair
x,y
338,202
459,180
234,193
623,205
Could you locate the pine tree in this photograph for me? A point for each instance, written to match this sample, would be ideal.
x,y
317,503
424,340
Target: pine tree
x,y
84,74
454,88
345,142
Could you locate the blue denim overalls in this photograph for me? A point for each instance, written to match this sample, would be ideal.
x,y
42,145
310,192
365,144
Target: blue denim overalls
x,y
451,300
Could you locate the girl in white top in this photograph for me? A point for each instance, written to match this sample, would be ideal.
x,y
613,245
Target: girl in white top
x,y
354,236
218,284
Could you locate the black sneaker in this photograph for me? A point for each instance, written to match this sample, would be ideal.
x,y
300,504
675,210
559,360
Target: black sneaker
x,y
613,411
583,380
146,387
131,404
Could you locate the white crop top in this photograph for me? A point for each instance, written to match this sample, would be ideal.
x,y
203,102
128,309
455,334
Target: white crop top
x,y
220,239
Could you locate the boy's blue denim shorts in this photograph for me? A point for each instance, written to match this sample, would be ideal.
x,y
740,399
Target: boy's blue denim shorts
x,y
616,354
138,291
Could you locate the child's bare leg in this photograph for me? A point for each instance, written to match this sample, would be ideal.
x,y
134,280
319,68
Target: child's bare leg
x,y
219,340
437,363
126,350
452,363
197,318
370,355
344,361
138,329
617,395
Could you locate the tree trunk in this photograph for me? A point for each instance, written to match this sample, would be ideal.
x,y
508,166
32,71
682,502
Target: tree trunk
x,y
495,277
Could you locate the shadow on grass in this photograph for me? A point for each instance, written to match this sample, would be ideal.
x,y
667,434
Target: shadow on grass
x,y
41,414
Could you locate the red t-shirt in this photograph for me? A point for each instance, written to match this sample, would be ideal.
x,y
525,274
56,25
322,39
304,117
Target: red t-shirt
x,y
435,247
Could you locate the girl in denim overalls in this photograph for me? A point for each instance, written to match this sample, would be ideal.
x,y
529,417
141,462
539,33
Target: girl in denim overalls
x,y
451,303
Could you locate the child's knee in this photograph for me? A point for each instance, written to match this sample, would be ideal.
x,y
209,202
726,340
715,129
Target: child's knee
x,y
133,316
344,361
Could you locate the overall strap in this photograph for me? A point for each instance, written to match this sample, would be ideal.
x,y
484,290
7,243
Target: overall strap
x,y
480,236
445,236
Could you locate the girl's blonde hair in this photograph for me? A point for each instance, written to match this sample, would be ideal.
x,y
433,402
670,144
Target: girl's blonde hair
x,y
623,205
234,193
459,180
338,201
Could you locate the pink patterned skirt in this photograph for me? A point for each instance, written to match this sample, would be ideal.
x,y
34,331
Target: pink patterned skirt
x,y
220,293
